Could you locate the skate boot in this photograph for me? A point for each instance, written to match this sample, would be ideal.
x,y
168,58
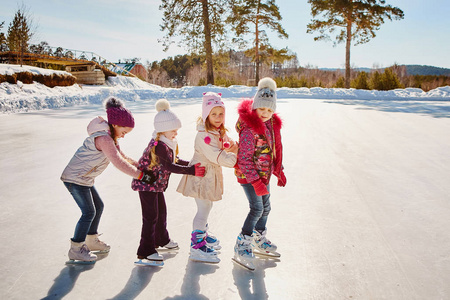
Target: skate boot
x,y
95,245
243,252
171,245
262,244
211,240
199,249
79,253
154,259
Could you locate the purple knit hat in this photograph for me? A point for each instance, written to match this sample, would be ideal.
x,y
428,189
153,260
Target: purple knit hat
x,y
117,113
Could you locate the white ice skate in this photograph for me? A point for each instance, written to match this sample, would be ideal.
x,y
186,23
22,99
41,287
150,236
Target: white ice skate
x,y
211,240
200,251
263,246
154,259
79,254
243,252
171,245
95,245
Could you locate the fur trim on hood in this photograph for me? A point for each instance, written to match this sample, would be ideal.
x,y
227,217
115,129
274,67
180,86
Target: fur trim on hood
x,y
249,118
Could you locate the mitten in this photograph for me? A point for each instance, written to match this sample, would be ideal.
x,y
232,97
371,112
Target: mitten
x,y
282,179
199,171
148,177
260,188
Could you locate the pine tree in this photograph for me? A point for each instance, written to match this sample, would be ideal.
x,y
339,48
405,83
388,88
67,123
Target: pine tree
x,y
199,23
361,82
257,14
376,82
354,20
20,33
2,38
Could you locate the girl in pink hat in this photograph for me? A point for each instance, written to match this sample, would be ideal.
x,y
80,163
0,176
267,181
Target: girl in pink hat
x,y
99,149
213,149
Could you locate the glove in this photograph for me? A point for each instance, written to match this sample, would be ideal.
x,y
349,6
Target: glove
x,y
148,177
199,171
260,188
282,179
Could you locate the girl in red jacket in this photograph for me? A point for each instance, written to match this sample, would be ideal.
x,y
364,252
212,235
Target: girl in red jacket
x,y
259,156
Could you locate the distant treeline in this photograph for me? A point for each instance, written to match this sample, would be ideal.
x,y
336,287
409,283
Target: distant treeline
x,y
235,68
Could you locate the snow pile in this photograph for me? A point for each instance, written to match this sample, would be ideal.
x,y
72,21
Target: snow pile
x,y
25,97
6,69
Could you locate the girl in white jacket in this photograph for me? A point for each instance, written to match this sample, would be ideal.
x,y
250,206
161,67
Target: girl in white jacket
x,y
213,149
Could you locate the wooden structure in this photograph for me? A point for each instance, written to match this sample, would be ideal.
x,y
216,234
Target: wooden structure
x,y
86,71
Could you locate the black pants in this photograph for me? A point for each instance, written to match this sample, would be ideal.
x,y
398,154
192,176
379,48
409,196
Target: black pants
x,y
154,223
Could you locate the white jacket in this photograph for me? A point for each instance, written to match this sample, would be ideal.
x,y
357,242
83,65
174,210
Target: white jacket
x,y
210,154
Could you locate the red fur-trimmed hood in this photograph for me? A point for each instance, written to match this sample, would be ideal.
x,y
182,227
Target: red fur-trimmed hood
x,y
249,118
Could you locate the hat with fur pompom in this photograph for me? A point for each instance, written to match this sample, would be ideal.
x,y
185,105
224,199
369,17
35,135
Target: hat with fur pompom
x,y
117,113
266,96
211,100
165,119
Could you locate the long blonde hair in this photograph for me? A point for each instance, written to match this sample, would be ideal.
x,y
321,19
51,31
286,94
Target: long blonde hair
x,y
209,127
154,159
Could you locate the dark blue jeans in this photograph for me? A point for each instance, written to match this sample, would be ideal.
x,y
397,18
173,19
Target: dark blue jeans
x,y
259,210
91,206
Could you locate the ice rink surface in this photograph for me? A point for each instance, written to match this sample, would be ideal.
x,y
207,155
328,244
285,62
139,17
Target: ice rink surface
x,y
365,213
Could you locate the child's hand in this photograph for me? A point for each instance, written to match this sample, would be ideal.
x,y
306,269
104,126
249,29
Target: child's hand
x,y
281,180
148,177
260,188
199,171
233,148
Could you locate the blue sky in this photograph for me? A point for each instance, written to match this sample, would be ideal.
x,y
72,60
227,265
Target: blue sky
x,y
117,29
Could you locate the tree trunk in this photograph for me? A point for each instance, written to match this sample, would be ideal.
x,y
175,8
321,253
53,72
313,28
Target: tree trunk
x,y
347,48
208,45
257,46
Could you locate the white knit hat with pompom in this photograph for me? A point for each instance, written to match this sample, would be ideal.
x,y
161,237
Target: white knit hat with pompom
x,y
266,96
165,119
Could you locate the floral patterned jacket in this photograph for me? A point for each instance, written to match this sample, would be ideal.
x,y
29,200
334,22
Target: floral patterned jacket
x,y
163,170
260,148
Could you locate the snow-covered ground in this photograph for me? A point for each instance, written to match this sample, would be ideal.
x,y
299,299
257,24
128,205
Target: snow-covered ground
x,y
364,214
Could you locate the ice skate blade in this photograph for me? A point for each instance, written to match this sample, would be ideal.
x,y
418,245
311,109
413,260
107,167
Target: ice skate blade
x,y
168,249
146,262
100,251
204,260
267,254
79,262
247,267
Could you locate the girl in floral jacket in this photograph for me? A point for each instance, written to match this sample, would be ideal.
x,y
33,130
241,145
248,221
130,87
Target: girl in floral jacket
x,y
259,156
160,157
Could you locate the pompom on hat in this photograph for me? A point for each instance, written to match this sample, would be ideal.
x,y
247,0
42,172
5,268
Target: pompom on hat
x,y
266,96
117,113
211,100
165,119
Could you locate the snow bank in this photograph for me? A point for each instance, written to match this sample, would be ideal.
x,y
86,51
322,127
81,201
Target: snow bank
x,y
25,97
6,69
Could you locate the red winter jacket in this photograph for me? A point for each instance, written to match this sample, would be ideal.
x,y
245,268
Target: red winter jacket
x,y
260,148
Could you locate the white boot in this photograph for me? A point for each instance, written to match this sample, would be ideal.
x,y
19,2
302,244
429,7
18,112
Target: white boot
x,y
211,240
94,244
243,252
199,250
79,251
171,245
262,244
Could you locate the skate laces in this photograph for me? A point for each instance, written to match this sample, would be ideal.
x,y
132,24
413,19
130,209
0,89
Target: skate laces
x,y
84,248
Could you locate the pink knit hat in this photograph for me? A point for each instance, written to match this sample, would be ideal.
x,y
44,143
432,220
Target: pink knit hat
x,y
117,113
210,100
